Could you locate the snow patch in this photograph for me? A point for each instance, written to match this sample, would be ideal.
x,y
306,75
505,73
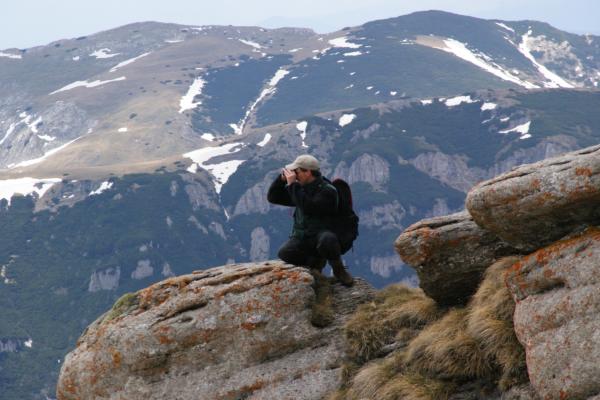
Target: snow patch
x,y
127,62
12,56
47,138
279,75
426,102
220,171
265,140
555,81
174,41
251,43
104,186
508,28
344,43
25,186
460,50
488,106
29,343
393,93
301,126
208,136
455,101
295,50
87,84
76,58
523,129
103,53
346,119
187,101
352,54
124,129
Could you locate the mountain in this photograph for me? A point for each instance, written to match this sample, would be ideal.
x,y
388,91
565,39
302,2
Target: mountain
x,y
146,151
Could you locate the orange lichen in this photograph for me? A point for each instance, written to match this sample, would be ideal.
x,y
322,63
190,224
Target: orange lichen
x,y
581,171
116,358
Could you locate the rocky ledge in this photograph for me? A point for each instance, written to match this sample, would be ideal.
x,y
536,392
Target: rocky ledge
x,y
232,332
548,214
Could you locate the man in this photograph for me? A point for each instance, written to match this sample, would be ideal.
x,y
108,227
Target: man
x,y
312,242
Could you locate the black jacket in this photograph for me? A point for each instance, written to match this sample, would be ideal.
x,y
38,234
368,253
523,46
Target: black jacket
x,y
315,202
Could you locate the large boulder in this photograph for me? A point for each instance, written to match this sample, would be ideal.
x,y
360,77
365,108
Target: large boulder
x,y
557,316
239,331
536,204
450,254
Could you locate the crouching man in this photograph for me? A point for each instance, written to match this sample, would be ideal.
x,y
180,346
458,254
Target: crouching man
x,y
312,242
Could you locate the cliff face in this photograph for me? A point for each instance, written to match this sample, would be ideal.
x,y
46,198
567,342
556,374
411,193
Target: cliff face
x,y
508,309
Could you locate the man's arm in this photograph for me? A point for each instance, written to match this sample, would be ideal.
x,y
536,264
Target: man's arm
x,y
277,193
323,203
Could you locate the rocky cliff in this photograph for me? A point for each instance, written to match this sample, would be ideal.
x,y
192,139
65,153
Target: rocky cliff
x,y
508,309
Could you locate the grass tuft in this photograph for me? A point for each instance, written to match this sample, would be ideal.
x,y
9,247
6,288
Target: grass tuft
x,y
396,314
435,352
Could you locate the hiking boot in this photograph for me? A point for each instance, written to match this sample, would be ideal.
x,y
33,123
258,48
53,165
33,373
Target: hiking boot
x,y
339,271
317,263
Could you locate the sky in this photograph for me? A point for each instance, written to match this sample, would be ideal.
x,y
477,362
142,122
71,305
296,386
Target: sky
x,y
28,23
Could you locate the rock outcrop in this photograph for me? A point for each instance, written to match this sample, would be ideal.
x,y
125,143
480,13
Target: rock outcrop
x,y
536,204
450,254
557,290
548,213
238,331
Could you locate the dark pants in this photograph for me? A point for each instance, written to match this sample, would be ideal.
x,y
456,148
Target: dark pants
x,y
303,252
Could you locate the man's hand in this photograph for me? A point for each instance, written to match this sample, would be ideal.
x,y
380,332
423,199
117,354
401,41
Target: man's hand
x,y
290,176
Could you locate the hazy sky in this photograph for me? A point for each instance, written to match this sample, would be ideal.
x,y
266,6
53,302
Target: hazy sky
x,y
27,23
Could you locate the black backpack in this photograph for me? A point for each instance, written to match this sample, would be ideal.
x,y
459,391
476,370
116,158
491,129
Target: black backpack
x,y
345,224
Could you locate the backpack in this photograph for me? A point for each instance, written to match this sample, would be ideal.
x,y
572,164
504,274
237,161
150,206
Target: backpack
x,y
345,223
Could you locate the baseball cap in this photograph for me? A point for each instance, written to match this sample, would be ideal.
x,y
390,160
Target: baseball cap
x,y
304,161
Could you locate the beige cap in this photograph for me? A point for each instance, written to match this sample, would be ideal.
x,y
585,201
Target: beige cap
x,y
304,161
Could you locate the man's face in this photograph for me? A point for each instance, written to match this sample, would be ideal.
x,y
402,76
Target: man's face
x,y
303,176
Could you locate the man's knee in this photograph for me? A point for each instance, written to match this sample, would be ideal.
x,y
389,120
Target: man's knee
x,y
291,253
328,245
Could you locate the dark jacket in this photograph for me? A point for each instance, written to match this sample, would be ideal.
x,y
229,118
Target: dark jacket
x,y
315,202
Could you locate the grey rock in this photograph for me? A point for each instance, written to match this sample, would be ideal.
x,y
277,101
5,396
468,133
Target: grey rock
x,y
450,254
167,272
260,244
454,171
238,331
440,208
143,270
557,316
254,200
385,216
107,279
386,265
197,224
196,189
217,228
536,204
449,169
369,168
9,345
34,134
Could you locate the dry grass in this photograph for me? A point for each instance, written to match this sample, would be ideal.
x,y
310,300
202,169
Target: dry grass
x,y
397,313
322,307
445,350
490,322
472,343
